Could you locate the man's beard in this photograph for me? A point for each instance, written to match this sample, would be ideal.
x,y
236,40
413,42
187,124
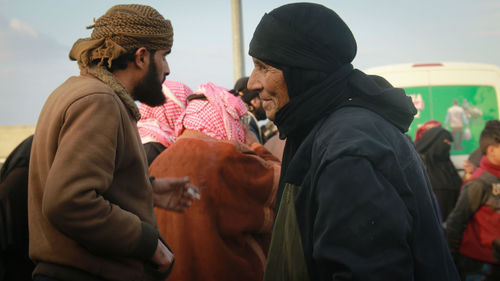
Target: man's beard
x,y
148,90
260,113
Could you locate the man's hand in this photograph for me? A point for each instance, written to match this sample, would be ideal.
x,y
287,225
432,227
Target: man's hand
x,y
162,257
174,194
469,168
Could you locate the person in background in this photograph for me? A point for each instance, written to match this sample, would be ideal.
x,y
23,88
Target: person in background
x,y
14,257
434,148
455,120
226,234
426,127
254,105
157,124
471,164
90,199
356,203
474,224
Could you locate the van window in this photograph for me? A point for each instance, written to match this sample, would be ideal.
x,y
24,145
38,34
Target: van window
x,y
457,108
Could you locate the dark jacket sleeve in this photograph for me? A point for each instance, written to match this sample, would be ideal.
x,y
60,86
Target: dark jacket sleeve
x,y
362,226
471,198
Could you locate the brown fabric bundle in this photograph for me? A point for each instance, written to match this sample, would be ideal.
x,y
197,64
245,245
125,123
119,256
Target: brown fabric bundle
x,y
224,236
122,29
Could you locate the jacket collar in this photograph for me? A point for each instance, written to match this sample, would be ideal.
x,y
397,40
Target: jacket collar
x,y
109,79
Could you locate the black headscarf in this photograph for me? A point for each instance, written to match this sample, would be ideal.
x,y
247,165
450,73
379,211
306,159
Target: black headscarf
x,y
444,178
314,48
432,145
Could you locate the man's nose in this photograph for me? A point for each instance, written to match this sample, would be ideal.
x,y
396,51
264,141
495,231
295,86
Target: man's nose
x,y
166,69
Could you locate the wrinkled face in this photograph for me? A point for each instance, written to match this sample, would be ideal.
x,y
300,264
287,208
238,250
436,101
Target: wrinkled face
x,y
149,89
258,110
270,84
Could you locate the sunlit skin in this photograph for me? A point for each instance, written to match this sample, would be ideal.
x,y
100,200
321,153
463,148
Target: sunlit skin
x,y
160,58
493,154
154,67
270,83
141,69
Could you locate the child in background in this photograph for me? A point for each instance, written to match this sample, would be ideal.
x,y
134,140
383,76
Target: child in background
x,y
474,223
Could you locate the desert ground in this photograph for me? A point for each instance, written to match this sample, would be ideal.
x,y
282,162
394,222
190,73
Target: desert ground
x,y
11,136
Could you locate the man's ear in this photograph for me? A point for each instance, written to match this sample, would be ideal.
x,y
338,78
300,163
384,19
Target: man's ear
x,y
141,58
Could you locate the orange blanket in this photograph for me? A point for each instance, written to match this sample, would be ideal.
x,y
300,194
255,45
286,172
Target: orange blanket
x,y
226,234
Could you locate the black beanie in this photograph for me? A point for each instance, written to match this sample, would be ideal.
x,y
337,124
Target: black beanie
x,y
303,35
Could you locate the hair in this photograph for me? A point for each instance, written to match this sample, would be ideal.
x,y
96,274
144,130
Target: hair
x,y
122,61
196,97
490,135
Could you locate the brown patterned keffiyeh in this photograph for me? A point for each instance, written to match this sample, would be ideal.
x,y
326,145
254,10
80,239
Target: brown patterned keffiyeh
x,y
122,29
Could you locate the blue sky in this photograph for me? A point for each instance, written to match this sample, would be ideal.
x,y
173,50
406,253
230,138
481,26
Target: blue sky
x,y
36,36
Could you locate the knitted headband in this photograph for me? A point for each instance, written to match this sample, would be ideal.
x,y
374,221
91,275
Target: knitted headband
x,y
122,29
426,127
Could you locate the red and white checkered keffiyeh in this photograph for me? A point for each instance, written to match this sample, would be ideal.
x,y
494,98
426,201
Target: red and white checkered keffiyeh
x,y
218,116
157,124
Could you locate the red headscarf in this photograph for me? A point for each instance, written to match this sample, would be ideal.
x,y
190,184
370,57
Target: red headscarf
x,y
218,116
425,127
157,124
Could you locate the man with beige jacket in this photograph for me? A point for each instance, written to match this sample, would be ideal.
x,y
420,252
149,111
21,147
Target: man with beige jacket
x,y
90,198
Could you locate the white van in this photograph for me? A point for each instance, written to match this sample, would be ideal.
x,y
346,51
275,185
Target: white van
x,y
435,88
